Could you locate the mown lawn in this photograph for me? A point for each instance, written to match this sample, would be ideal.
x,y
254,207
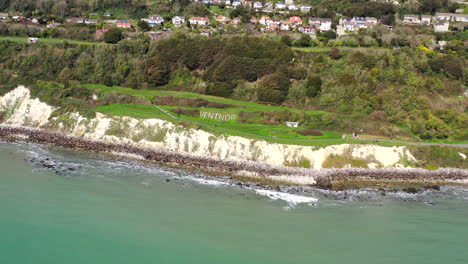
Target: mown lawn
x,y
48,40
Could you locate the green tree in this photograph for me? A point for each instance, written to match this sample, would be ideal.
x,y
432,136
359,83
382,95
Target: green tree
x,y
286,40
304,41
273,88
313,85
144,26
113,35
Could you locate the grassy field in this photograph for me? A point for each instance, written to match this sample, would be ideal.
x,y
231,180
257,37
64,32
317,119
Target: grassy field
x,y
49,40
247,106
273,133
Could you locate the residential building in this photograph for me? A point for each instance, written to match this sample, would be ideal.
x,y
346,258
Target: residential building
x,y
307,30
272,27
426,20
123,24
441,26
323,24
460,17
178,20
411,19
285,26
202,21
236,3
75,20
91,21
155,20
293,7
257,5
265,20
305,8
296,20
280,5
222,19
4,16
444,16
253,20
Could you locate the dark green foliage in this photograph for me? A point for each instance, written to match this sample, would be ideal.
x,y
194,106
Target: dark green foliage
x,y
197,9
223,89
313,85
144,26
448,64
286,40
156,72
273,88
113,35
304,41
370,9
329,34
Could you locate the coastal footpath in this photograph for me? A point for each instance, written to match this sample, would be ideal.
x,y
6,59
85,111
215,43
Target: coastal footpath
x,y
172,143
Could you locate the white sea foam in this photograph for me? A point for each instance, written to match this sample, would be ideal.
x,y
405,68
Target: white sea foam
x,y
292,199
207,182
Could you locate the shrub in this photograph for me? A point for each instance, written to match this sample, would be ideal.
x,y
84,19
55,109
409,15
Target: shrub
x,y
273,88
113,35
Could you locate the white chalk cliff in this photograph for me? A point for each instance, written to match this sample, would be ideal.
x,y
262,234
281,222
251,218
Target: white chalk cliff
x,y
19,109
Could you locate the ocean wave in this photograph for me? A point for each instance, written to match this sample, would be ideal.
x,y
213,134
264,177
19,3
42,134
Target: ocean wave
x,y
291,199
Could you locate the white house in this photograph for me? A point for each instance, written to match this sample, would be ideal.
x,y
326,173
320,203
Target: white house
x,y
257,5
4,16
411,19
155,20
426,20
91,21
265,20
293,7
372,20
236,3
444,16
285,26
202,21
178,20
460,17
324,24
441,26
292,124
305,8
307,30
280,5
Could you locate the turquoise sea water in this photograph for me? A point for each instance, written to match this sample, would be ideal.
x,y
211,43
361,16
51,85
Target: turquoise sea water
x,y
92,208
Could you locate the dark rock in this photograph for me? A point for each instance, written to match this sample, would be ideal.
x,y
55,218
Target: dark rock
x,y
410,190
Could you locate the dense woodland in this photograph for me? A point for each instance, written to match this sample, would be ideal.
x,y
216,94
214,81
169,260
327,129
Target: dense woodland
x,y
402,92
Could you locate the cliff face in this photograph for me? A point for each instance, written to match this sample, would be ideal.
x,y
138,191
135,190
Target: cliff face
x,y
18,109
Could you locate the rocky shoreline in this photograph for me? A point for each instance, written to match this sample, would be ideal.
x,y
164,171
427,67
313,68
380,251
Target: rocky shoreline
x,y
255,172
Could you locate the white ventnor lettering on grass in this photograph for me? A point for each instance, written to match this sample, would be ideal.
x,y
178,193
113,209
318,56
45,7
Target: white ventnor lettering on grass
x,y
217,116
